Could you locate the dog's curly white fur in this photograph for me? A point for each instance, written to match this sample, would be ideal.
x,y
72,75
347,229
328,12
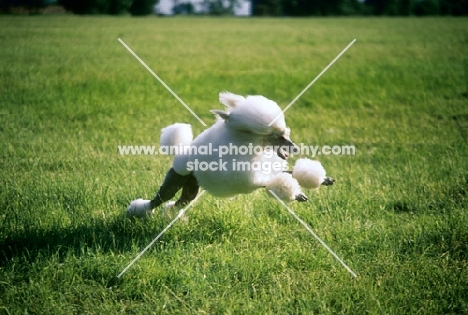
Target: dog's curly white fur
x,y
244,123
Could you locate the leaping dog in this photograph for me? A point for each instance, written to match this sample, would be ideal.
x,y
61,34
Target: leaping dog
x,y
240,153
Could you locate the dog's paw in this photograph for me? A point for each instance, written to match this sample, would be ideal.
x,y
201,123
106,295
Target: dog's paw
x,y
139,208
301,197
328,181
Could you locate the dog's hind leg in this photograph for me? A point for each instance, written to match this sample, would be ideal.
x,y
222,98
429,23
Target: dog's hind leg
x,y
173,182
189,191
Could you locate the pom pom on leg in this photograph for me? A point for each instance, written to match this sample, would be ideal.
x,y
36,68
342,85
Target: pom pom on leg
x,y
139,208
310,174
285,187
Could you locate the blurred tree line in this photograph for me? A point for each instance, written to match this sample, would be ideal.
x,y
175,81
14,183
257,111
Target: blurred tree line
x,y
259,7
211,7
134,7
357,7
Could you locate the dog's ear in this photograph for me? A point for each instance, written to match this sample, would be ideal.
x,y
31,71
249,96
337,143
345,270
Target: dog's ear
x,y
230,100
221,113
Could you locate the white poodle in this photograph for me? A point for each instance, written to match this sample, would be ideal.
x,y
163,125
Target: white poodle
x,y
237,155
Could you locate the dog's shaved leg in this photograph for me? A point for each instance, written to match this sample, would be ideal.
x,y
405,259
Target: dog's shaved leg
x,y
173,182
189,191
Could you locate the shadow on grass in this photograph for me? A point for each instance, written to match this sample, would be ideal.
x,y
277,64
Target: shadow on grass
x,y
29,242
112,237
117,235
455,195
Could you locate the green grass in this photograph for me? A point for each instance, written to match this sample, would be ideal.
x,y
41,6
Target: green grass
x,y
70,93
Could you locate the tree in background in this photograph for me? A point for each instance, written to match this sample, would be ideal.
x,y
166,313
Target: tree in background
x,y
317,7
359,7
31,5
135,7
186,8
417,7
427,7
453,7
259,7
220,7
306,7
142,7
267,7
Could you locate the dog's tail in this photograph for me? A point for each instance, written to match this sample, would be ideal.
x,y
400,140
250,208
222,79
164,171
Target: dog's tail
x,y
176,136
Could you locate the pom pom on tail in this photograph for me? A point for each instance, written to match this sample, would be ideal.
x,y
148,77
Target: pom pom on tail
x,y
176,135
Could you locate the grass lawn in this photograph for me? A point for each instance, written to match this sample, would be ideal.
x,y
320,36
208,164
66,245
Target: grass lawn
x,y
70,94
